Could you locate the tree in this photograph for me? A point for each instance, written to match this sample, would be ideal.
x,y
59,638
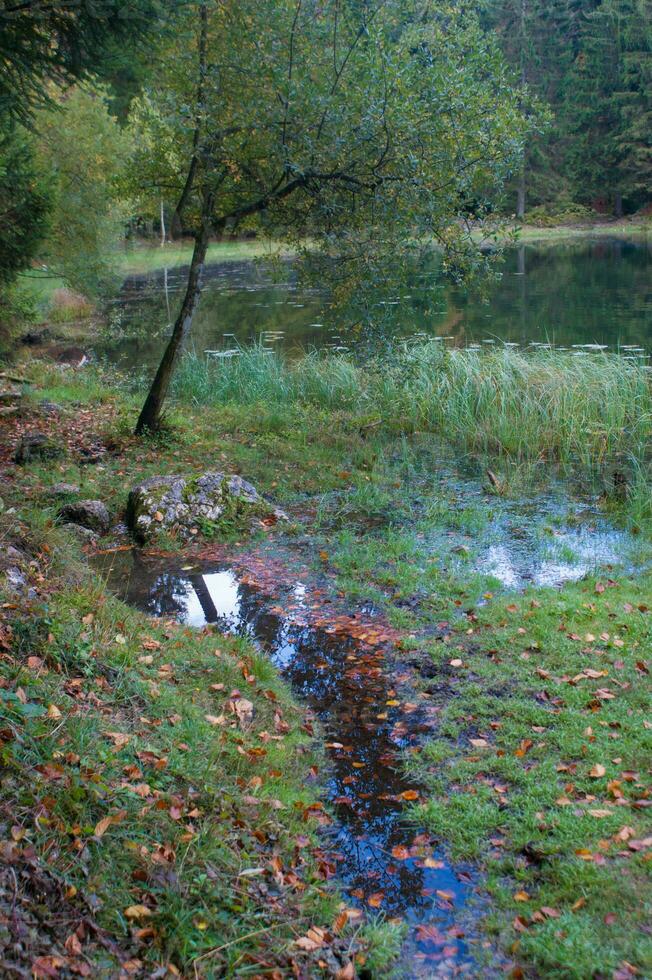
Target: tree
x,y
24,205
364,127
610,102
45,41
83,149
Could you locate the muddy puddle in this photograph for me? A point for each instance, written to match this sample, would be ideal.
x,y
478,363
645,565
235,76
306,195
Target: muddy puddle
x,y
369,715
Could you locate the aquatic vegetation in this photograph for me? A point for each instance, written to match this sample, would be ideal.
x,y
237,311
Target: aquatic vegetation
x,y
545,405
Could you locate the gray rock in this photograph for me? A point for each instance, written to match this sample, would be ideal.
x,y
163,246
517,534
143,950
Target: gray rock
x,y
63,489
49,408
15,579
188,504
91,514
36,445
83,534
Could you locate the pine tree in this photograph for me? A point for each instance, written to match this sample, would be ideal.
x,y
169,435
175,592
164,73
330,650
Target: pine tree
x,y
609,100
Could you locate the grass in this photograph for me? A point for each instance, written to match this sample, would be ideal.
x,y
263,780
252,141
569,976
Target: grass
x,y
210,856
635,227
541,771
113,759
546,405
138,258
381,515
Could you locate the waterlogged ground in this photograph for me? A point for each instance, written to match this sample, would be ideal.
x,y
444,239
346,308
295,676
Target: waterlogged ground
x,y
398,606
348,671
571,294
377,697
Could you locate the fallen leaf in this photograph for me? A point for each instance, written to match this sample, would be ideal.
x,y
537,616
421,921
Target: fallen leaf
x,y
376,899
245,712
215,719
137,912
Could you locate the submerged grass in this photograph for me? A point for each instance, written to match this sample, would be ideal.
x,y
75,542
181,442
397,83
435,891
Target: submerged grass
x,y
546,405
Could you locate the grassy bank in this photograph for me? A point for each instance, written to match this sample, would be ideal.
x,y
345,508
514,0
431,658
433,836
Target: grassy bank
x,y
138,258
139,788
160,785
627,228
377,515
547,405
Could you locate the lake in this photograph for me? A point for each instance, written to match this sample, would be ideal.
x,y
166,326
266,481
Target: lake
x,y
596,291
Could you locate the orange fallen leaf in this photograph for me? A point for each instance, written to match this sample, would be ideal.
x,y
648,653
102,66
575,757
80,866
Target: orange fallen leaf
x,y
409,794
137,912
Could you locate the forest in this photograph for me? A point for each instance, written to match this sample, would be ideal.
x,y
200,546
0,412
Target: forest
x,y
325,488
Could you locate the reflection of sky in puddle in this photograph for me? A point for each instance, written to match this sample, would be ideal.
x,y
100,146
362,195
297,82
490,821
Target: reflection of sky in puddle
x,y
567,557
222,588
352,691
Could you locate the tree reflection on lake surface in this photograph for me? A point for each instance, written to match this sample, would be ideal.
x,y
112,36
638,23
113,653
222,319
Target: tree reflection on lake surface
x,y
596,291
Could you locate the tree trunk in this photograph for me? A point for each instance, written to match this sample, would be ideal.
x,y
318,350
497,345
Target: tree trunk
x,y
520,190
520,195
177,218
618,204
150,415
162,223
176,225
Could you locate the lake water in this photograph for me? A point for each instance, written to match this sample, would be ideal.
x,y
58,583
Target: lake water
x,y
575,293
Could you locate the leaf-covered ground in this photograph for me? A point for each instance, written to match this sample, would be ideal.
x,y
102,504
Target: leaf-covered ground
x,y
538,773
542,772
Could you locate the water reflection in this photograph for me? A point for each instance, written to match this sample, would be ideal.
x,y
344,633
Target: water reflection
x,y
358,699
589,292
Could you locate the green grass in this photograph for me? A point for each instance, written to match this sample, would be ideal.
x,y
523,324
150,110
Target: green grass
x,y
541,800
634,227
137,258
380,518
116,718
544,405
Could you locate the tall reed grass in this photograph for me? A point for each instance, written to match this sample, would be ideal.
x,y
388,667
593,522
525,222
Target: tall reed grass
x,y
546,404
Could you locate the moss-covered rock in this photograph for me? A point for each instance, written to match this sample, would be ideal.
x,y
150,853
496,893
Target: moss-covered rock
x,y
36,446
187,505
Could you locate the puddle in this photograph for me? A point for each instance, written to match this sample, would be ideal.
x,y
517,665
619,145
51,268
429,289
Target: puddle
x,y
547,548
353,690
545,539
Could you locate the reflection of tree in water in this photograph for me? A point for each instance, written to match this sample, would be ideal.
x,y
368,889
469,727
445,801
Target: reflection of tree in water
x,y
348,695
159,594
348,688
